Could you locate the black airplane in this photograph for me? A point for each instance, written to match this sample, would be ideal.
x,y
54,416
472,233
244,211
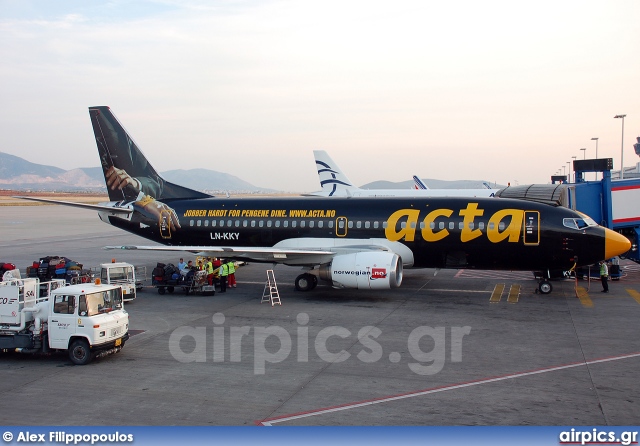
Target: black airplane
x,y
350,242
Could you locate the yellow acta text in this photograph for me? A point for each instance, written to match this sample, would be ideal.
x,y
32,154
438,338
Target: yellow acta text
x,y
512,219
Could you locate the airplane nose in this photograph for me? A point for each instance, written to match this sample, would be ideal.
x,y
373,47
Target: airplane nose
x,y
615,244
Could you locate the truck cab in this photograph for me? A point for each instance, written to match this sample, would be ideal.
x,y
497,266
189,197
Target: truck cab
x,y
120,273
87,320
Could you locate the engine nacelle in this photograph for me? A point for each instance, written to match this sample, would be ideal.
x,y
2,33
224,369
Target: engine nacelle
x,y
364,270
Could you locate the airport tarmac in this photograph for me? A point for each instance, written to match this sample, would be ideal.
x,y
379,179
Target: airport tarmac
x,y
444,349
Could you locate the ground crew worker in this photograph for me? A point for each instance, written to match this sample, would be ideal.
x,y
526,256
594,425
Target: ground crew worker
x,y
231,278
223,272
209,269
604,276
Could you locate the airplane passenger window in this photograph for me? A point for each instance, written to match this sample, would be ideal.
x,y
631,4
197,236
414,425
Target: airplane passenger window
x,y
320,224
302,224
492,225
213,223
261,223
277,223
375,225
501,226
331,224
206,222
413,225
191,222
237,223
285,223
452,225
350,225
403,224
199,223
229,223
384,225
311,223
461,225
268,223
221,223
481,225
294,224
441,225
367,225
359,224
244,223
471,225
432,225
253,223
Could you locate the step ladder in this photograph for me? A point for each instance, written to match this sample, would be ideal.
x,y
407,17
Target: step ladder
x,y
270,293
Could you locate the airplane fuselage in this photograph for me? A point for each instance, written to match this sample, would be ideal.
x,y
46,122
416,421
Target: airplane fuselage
x,y
452,232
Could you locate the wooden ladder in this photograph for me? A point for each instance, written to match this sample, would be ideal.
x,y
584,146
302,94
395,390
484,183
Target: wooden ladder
x,y
270,293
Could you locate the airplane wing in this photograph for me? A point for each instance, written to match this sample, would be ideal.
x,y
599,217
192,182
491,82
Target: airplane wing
x,y
267,255
96,207
289,255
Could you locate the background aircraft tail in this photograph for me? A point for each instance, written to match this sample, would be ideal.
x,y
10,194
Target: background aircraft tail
x,y
418,183
330,174
121,158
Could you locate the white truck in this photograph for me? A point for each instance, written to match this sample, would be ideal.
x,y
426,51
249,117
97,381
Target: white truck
x,y
87,320
123,274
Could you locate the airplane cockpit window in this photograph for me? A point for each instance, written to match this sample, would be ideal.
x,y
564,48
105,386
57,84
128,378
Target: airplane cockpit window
x,y
578,223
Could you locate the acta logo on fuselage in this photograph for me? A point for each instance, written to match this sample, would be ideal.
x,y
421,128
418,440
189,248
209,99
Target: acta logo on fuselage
x,y
510,233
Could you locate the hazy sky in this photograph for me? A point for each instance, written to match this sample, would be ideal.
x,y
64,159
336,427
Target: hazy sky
x,y
504,91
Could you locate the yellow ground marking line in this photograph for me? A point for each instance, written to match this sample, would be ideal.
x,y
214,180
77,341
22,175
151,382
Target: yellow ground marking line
x,y
514,294
583,295
496,296
634,294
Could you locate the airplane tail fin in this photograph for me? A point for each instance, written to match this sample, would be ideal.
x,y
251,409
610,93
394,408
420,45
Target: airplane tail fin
x,y
418,183
127,172
331,177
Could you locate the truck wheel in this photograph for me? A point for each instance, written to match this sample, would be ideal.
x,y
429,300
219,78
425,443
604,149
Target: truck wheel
x,y
160,290
79,352
170,289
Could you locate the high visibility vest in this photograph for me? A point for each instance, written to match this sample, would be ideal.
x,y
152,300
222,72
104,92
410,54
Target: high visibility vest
x,y
224,270
604,270
232,267
209,268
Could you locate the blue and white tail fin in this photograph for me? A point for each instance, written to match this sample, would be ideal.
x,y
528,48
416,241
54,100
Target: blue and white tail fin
x,y
332,179
418,183
128,174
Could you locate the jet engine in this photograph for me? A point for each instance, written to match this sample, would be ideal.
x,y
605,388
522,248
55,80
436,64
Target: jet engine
x,y
364,270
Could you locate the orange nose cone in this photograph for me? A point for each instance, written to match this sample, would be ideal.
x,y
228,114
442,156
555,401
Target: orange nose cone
x,y
615,244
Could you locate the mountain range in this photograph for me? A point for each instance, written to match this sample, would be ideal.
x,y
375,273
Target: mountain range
x,y
19,174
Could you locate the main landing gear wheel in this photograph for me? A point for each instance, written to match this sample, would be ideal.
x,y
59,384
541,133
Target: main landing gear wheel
x,y
306,282
545,287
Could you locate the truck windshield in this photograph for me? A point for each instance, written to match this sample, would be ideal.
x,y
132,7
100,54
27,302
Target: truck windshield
x,y
100,302
117,274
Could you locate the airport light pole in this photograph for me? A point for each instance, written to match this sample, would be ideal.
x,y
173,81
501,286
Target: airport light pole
x,y
596,140
574,169
621,146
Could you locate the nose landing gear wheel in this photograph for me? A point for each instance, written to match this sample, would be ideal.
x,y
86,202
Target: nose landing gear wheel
x,y
545,287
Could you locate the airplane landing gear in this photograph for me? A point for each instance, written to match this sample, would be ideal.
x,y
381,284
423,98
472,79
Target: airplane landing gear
x,y
545,287
306,282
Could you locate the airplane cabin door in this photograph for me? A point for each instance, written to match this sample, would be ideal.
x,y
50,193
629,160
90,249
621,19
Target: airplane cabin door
x,y
531,228
341,226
